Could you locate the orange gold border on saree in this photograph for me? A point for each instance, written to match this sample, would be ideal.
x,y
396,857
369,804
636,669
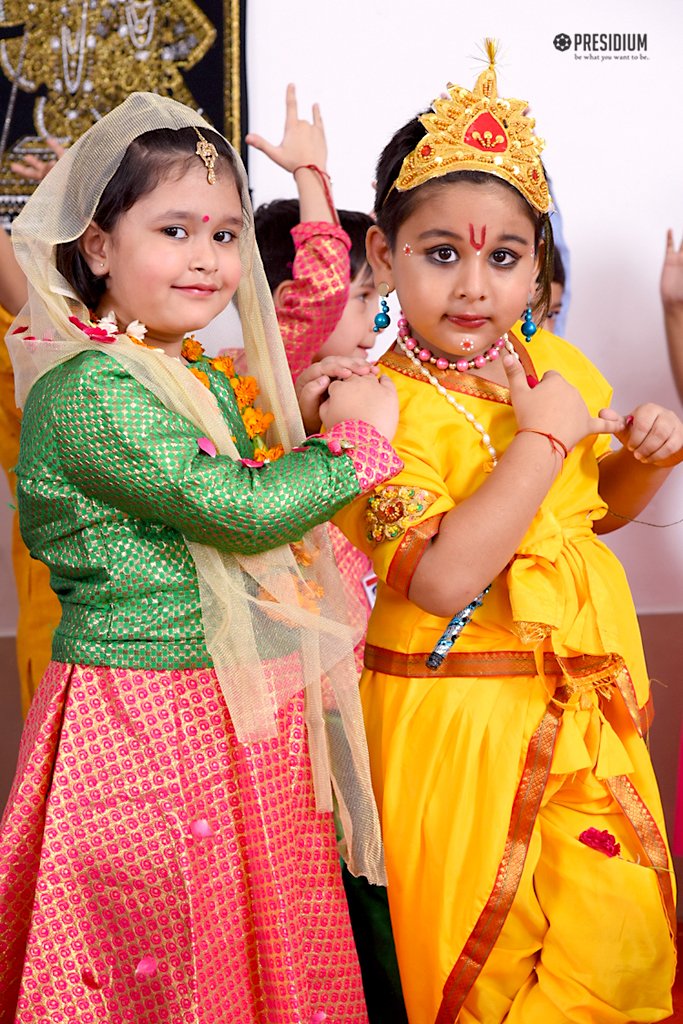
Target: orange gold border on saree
x,y
492,918
410,551
650,838
459,664
464,383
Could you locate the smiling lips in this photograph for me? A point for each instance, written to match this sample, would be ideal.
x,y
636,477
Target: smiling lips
x,y
196,289
470,322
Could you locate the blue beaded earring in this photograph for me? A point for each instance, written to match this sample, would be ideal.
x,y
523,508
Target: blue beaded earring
x,y
528,328
382,319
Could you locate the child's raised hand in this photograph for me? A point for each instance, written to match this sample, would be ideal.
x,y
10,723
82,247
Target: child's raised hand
x,y
671,281
303,141
311,385
652,434
369,398
554,406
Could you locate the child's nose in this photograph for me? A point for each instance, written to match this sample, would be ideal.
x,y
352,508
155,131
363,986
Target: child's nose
x,y
471,279
203,256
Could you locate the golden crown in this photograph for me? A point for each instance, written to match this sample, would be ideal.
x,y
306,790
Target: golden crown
x,y
479,131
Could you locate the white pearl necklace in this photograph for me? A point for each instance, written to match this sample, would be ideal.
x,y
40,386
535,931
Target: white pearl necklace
x,y
452,400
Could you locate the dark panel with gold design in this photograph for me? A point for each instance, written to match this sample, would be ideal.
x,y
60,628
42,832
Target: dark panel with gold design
x,y
65,63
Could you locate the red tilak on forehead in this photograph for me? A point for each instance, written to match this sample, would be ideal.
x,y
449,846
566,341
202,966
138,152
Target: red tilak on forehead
x,y
478,245
206,218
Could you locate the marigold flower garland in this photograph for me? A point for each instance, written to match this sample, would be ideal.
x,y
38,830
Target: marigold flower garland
x,y
256,422
246,389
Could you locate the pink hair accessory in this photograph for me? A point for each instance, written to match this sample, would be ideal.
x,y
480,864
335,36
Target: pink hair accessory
x,y
206,445
147,968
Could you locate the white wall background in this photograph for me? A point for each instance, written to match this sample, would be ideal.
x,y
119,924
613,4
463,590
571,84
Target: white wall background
x,y
614,150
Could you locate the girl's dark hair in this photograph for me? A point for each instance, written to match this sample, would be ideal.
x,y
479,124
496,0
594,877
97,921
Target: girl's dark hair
x,y
392,207
149,159
273,223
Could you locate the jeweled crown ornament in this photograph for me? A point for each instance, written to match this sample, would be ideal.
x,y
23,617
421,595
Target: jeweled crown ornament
x,y
479,131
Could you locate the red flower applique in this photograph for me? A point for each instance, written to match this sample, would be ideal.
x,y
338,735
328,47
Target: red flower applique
x,y
603,841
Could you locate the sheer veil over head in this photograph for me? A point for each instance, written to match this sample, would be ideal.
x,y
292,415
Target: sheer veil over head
x,y
264,651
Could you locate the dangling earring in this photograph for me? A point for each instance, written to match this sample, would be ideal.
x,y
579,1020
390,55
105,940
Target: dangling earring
x,y
382,319
528,328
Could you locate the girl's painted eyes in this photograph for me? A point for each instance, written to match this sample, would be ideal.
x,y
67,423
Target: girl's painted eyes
x,y
503,258
175,231
443,254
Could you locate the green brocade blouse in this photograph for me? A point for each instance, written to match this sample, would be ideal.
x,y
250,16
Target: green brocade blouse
x,y
109,481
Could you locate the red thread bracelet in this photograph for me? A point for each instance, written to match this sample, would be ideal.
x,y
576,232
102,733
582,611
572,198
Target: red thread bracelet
x,y
325,181
555,444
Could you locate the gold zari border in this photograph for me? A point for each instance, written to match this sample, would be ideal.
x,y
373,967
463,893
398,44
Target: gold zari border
x,y
453,380
650,838
458,664
410,551
525,808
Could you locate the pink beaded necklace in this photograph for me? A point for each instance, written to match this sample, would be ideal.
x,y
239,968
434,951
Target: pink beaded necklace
x,y
441,363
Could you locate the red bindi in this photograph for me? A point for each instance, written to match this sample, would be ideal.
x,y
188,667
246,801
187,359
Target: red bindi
x,y
206,218
478,245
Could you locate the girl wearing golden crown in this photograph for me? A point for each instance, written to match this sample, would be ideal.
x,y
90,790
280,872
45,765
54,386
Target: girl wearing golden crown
x,y
529,875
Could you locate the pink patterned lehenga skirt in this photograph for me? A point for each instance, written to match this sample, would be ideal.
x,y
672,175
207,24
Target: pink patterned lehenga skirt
x,y
153,870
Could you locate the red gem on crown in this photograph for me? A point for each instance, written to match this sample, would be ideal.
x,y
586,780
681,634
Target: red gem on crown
x,y
486,133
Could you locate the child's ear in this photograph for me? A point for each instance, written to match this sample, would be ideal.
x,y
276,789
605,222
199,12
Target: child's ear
x,y
379,256
94,247
281,293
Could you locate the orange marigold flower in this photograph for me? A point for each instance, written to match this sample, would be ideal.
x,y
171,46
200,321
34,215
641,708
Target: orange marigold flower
x,y
224,364
246,389
271,454
256,422
191,350
200,375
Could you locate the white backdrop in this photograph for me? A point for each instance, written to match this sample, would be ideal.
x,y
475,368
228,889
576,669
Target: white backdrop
x,y
614,150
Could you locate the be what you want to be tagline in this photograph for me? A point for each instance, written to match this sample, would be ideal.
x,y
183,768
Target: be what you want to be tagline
x,y
603,46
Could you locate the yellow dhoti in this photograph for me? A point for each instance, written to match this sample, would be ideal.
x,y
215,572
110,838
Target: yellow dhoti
x,y
507,778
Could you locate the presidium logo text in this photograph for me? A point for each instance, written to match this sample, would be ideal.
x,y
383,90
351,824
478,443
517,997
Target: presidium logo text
x,y
604,45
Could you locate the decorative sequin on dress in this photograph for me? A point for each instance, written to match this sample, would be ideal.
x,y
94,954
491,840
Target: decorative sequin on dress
x,y
152,868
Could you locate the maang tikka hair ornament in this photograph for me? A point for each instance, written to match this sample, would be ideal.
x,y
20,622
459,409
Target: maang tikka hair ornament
x,y
208,154
479,131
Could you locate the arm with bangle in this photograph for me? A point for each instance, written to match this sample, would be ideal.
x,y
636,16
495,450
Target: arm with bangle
x,y
309,304
482,533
